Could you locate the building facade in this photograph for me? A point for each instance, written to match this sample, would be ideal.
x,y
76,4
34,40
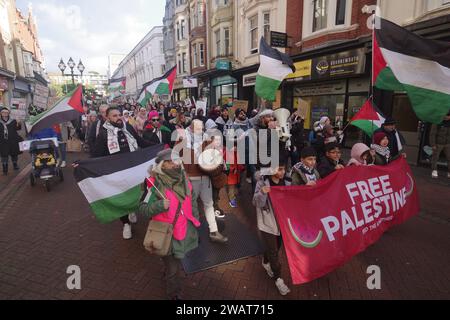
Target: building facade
x,y
182,48
197,41
169,35
114,60
254,20
22,72
144,63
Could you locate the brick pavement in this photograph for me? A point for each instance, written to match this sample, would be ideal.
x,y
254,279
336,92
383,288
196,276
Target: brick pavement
x,y
41,234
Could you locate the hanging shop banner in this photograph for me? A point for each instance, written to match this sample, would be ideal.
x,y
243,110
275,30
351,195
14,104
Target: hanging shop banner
x,y
190,83
324,226
278,39
303,71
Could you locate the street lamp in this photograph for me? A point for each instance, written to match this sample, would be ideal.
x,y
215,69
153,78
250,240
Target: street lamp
x,y
71,64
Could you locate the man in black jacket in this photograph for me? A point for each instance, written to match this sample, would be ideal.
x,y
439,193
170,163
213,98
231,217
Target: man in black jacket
x,y
396,139
95,128
116,137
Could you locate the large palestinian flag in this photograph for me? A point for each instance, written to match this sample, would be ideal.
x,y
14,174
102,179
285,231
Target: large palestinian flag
x,y
67,109
404,61
159,86
275,66
112,185
368,119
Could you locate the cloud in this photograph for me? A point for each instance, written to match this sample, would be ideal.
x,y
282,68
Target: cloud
x,y
91,30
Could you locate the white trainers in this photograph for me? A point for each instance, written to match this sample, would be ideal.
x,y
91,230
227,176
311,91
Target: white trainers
x,y
249,180
133,218
63,164
268,269
434,174
282,287
127,235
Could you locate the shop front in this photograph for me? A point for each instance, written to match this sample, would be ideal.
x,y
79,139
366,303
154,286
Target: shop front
x,y
180,93
335,86
224,90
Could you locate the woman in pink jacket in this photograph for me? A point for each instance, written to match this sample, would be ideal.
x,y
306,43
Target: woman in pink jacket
x,y
169,195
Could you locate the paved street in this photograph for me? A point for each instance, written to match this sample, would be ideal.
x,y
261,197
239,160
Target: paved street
x,y
41,234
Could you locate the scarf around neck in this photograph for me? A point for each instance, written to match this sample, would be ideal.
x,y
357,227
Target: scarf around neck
x,y
113,138
5,127
308,172
382,151
174,180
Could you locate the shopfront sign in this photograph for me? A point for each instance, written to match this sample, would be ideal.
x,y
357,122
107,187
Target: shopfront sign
x,y
347,63
249,80
303,71
223,65
339,65
278,39
220,81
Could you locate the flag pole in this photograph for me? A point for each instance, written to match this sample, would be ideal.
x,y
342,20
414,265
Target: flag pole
x,y
371,98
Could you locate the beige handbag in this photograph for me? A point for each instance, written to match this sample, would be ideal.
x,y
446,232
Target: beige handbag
x,y
158,239
74,145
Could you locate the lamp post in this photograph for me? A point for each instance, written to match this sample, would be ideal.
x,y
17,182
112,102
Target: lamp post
x,y
71,64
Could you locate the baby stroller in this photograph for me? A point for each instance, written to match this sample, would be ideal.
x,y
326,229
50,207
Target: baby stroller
x,y
44,163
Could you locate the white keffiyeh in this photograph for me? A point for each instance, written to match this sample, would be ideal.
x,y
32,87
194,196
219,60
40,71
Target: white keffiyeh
x,y
113,138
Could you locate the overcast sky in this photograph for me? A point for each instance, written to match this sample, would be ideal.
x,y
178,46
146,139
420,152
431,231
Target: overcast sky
x,y
91,29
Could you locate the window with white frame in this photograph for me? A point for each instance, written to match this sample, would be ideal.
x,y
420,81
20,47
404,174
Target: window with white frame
x,y
253,23
178,31
226,32
184,62
201,47
183,29
217,37
266,26
179,64
341,6
195,53
320,13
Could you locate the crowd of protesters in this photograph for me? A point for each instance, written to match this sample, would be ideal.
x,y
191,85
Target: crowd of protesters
x,y
113,129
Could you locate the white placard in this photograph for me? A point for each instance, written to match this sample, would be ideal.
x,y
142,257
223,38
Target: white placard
x,y
26,145
190,82
201,105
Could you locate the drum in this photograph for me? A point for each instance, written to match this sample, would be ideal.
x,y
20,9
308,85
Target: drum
x,y
211,163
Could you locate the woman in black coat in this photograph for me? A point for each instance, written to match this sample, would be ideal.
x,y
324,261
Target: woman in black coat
x,y
9,140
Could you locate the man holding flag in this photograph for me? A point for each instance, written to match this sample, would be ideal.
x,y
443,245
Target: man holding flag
x,y
116,137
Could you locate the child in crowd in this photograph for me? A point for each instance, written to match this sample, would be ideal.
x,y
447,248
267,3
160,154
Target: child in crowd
x,y
305,172
381,146
267,223
362,155
332,160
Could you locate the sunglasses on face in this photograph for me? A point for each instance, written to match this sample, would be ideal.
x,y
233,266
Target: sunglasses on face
x,y
155,120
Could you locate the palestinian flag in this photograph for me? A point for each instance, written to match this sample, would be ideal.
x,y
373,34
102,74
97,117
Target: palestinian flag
x,y
368,119
274,68
67,109
114,190
159,86
118,85
144,97
404,61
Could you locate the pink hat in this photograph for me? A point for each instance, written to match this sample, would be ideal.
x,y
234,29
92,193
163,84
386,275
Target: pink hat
x,y
153,114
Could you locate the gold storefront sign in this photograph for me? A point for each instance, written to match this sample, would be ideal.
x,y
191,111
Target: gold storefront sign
x,y
303,69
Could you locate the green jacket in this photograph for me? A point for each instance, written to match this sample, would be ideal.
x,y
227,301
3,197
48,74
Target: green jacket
x,y
439,135
179,248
